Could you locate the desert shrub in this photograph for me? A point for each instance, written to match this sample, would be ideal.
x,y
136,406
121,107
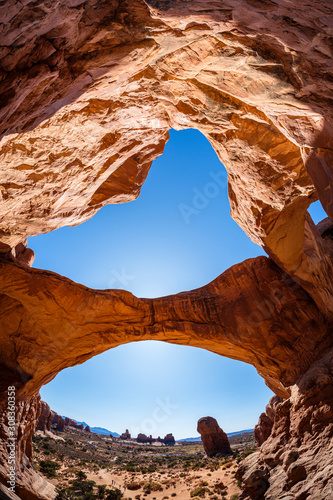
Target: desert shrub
x,y
200,491
49,468
83,487
133,486
247,453
129,468
63,494
81,475
152,486
235,496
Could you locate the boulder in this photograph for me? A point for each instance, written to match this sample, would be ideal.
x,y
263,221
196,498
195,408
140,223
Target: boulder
x,y
214,440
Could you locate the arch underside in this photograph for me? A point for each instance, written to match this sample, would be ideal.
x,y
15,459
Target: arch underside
x,y
89,92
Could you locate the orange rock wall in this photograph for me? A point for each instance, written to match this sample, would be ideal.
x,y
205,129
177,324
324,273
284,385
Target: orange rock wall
x,y
89,90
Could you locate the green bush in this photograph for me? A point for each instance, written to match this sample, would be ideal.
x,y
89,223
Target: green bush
x,y
152,486
49,468
101,489
200,491
115,494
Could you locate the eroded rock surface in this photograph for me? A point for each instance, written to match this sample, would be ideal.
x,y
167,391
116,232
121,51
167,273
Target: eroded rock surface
x,y
29,485
253,312
213,438
264,427
296,459
59,421
45,418
89,91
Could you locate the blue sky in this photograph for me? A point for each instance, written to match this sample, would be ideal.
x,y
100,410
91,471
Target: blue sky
x,y
178,235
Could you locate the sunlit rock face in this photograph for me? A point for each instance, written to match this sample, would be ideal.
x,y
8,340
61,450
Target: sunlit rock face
x,y
89,91
214,440
264,427
296,460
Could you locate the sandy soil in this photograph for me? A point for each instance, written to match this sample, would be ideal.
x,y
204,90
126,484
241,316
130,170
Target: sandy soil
x,y
171,482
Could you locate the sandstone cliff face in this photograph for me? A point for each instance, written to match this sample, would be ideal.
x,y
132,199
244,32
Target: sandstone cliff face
x,y
89,91
296,459
263,429
29,485
59,421
45,418
213,438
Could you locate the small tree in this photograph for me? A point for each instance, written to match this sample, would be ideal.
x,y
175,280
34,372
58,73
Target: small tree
x,y
81,475
114,494
101,490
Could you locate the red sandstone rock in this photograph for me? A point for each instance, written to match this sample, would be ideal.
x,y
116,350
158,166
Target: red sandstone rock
x,y
87,429
58,421
264,427
45,418
125,435
88,94
265,301
29,485
169,440
213,438
142,438
296,459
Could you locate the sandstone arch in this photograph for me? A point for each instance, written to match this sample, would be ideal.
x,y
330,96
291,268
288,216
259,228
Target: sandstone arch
x,y
89,92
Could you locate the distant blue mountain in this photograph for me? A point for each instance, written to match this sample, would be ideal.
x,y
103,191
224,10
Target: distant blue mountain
x,y
98,430
106,432
229,434
189,440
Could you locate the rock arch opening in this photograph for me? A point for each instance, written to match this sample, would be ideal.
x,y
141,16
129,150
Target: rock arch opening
x,y
156,388
177,235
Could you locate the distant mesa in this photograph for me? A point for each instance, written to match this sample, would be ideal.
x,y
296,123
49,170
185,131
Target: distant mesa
x,y
213,438
48,417
125,435
142,438
168,440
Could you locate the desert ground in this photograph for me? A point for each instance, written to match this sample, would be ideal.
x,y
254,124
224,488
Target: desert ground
x,y
87,466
